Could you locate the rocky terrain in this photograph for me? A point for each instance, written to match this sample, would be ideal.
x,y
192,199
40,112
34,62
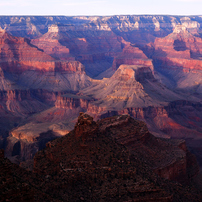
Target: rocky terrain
x,y
178,57
149,67
100,163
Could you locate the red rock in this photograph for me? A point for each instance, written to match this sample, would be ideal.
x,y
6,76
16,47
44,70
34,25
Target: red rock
x,y
140,141
131,56
18,55
50,44
70,101
87,160
179,50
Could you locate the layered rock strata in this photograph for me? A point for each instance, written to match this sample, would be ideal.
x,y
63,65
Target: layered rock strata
x,y
90,159
155,151
179,50
70,101
50,44
18,55
131,56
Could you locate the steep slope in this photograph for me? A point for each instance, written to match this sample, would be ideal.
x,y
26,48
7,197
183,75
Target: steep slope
x,y
131,56
50,44
71,79
95,48
95,161
17,54
30,80
178,57
168,158
139,29
28,66
125,89
134,90
18,184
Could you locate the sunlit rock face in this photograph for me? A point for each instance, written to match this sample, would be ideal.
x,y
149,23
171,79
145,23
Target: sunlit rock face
x,y
131,56
50,44
180,44
98,154
113,145
145,66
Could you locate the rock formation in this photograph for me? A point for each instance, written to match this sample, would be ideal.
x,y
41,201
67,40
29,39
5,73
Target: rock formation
x,y
50,44
98,158
131,56
130,86
178,57
45,78
137,28
156,152
71,101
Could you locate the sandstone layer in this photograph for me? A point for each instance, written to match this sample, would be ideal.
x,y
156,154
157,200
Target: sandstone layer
x,y
91,156
45,83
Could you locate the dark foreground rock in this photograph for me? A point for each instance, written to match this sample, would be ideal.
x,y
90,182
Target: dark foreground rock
x,y
94,163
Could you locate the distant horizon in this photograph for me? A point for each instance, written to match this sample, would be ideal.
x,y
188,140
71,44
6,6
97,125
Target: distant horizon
x,y
18,15
100,7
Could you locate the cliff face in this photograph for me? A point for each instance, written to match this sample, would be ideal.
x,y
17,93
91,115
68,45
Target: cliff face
x,y
178,57
109,159
44,83
70,101
153,150
21,102
131,56
50,44
157,25
25,66
18,55
131,86
179,44
94,150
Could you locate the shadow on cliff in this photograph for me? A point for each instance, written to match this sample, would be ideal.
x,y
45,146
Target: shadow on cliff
x,y
44,138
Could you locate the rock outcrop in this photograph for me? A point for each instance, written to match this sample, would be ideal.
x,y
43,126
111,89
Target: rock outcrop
x,y
136,137
178,57
21,102
96,161
96,153
18,55
70,101
130,86
137,28
50,44
131,56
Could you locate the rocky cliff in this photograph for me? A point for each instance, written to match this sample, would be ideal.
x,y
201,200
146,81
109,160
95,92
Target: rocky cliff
x,y
178,57
70,101
131,56
131,86
45,83
18,55
138,140
157,25
97,161
50,44
92,151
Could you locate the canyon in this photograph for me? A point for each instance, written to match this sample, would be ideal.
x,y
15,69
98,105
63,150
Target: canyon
x,y
145,67
100,164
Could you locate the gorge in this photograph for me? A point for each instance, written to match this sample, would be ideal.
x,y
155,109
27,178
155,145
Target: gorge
x,y
114,69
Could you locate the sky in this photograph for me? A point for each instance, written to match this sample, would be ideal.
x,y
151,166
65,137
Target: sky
x,y
100,7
